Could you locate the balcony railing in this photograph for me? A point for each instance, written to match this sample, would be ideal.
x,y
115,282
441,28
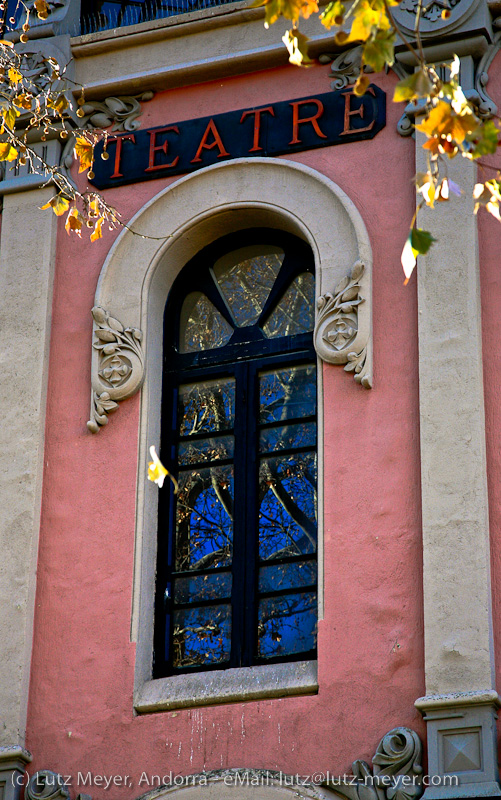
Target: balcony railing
x,y
101,16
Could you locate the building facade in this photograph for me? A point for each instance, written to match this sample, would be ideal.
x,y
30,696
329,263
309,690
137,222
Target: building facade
x,y
268,620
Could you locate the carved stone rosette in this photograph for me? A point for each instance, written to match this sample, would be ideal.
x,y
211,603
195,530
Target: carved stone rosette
x,y
396,773
342,330
117,366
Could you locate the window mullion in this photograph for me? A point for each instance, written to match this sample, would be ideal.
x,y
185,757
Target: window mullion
x,y
239,522
251,513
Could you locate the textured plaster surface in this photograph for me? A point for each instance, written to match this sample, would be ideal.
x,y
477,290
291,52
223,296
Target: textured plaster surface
x,y
490,275
370,658
26,272
457,600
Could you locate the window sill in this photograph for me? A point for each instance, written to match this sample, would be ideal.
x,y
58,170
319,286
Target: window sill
x,y
227,686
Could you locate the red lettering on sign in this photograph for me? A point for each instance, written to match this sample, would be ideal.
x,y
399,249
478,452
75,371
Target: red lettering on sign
x,y
257,125
163,147
358,112
296,122
211,128
118,152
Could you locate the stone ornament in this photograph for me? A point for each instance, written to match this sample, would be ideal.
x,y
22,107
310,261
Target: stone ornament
x,y
46,785
345,67
432,23
117,366
338,336
486,107
396,773
120,112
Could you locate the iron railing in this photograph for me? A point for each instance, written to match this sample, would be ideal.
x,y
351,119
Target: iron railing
x,y
101,16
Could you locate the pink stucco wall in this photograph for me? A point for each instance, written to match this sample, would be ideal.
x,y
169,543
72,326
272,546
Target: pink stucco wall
x,y
370,641
489,232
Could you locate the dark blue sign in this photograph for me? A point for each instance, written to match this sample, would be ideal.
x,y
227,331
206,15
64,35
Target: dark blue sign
x,y
286,127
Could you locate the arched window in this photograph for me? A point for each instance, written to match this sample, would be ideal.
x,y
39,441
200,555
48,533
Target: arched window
x,y
237,571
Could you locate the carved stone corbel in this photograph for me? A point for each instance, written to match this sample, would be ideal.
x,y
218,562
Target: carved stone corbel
x,y
118,113
46,785
343,326
486,107
345,67
396,773
117,366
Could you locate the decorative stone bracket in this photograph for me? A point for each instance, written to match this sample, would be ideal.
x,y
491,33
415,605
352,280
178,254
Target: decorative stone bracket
x,y
342,330
117,366
396,773
46,785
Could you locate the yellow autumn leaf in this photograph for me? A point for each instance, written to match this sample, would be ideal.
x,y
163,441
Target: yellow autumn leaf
x,y
414,87
23,101
488,194
9,114
333,14
74,222
41,7
14,75
96,233
84,151
297,45
157,473
7,152
60,104
289,9
369,16
444,123
309,7
361,85
59,204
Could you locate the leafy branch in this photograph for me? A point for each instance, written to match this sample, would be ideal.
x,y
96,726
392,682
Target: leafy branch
x,y
37,103
448,119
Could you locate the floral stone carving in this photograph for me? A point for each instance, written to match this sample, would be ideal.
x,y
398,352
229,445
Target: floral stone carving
x,y
396,773
339,337
46,785
345,67
117,366
120,112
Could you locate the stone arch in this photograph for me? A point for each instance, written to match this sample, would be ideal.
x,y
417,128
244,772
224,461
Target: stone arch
x,y
246,784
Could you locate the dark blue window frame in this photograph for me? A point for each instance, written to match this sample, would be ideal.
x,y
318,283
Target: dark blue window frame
x,y
247,354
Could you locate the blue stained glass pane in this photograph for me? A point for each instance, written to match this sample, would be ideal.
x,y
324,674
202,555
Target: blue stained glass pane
x,y
245,278
206,406
199,450
274,577
201,636
295,313
202,327
204,518
213,586
287,512
287,624
287,393
286,437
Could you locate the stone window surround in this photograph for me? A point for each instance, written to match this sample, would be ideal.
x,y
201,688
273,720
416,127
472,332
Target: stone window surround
x,y
197,210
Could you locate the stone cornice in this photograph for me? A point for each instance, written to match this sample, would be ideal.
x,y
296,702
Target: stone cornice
x,y
201,47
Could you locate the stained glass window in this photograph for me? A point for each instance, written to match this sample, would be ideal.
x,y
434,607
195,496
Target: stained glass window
x,y
237,573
